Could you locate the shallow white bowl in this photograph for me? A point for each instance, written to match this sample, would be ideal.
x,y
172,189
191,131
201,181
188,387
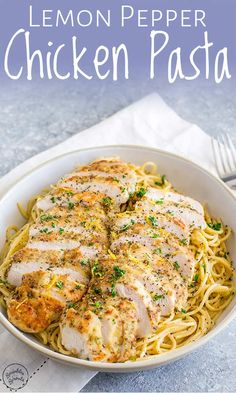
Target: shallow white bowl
x,y
186,176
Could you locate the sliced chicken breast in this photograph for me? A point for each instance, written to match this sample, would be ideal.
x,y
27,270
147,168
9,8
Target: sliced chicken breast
x,y
140,241
160,196
41,298
107,277
160,222
191,218
108,334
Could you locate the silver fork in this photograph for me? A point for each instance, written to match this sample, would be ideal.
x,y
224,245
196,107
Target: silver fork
x,y
225,158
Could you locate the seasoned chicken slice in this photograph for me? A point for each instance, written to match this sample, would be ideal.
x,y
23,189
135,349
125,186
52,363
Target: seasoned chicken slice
x,y
146,289
55,263
140,240
105,183
32,314
160,279
74,215
61,197
105,187
57,239
182,208
30,310
164,224
28,260
161,196
110,180
189,217
103,334
53,281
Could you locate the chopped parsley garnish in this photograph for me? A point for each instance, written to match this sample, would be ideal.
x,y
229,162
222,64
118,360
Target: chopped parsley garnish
x,y
157,251
98,304
153,220
98,291
141,192
61,230
115,179
125,227
53,224
96,270
106,201
113,291
59,284
84,262
160,201
44,230
196,277
53,199
71,305
183,311
123,189
71,205
155,235
47,217
162,182
176,265
78,286
183,242
216,226
204,267
69,193
158,297
118,272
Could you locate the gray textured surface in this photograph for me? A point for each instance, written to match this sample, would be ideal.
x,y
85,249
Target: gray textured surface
x,y
34,117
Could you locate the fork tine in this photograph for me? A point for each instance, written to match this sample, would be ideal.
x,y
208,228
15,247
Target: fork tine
x,y
231,149
227,153
216,154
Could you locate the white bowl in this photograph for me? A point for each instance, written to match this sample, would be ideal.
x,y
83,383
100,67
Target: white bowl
x,y
186,176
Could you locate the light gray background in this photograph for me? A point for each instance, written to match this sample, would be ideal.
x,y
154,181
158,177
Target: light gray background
x,y
34,117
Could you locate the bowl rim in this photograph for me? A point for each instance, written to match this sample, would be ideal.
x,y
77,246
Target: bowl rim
x,y
156,360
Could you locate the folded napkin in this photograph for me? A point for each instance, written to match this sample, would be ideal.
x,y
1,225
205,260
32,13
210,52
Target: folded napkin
x,y
148,122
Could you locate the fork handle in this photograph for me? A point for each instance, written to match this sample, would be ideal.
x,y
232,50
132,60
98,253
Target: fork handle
x,y
231,183
229,178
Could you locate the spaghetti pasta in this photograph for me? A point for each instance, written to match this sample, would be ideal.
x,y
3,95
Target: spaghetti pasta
x,y
209,293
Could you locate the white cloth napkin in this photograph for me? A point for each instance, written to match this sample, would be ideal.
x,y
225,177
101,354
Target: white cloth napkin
x,y
148,122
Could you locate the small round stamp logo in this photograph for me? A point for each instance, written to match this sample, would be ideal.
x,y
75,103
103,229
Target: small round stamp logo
x,y
15,376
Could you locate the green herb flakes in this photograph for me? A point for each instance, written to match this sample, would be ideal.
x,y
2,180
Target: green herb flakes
x,y
183,242
71,205
162,182
59,284
215,226
141,192
158,297
107,201
196,277
176,265
71,305
153,221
